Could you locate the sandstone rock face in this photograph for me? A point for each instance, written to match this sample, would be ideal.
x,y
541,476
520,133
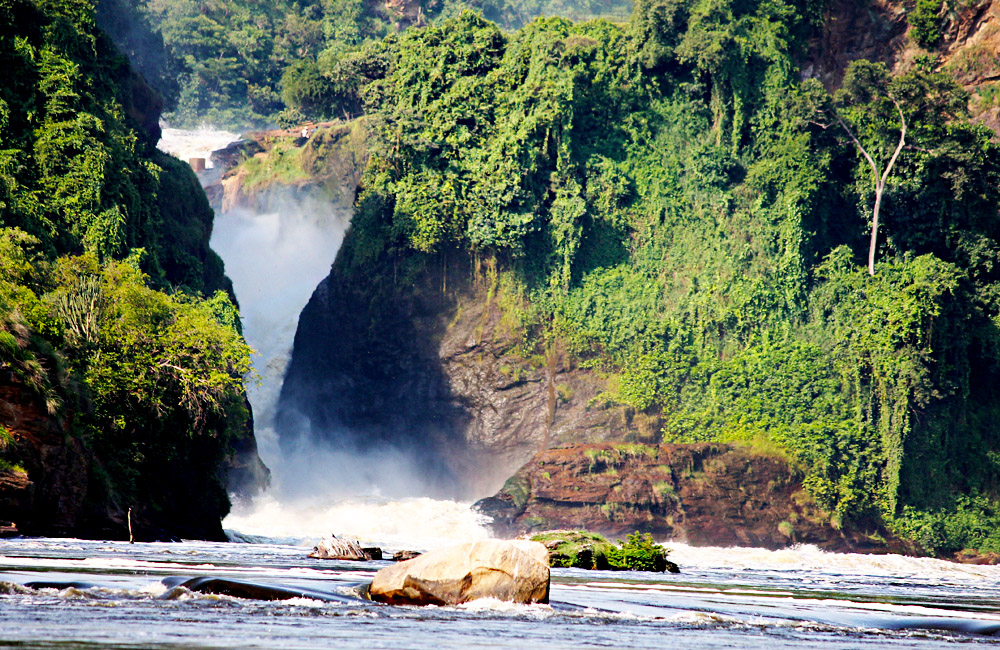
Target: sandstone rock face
x,y
515,571
58,493
701,494
48,498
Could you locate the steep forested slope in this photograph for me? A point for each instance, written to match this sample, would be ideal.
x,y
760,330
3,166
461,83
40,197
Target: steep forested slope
x,y
121,382
674,207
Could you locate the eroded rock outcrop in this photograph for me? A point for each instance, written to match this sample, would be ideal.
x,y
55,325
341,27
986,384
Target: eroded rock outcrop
x,y
510,571
701,494
336,548
425,363
880,31
61,489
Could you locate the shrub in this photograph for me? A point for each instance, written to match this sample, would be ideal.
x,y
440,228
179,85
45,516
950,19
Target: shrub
x,y
925,22
640,553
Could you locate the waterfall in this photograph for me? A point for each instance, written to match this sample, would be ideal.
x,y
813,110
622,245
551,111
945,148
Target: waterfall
x,y
275,260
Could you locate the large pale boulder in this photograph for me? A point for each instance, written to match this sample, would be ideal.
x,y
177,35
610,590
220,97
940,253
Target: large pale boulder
x,y
515,571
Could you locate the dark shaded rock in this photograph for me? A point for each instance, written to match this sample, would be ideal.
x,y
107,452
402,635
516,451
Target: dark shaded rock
x,y
701,494
64,492
244,474
419,359
42,584
234,153
373,552
17,494
252,590
403,556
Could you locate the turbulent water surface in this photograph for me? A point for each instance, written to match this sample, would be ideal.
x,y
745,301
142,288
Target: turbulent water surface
x,y
126,596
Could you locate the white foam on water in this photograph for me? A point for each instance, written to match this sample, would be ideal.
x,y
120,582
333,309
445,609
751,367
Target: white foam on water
x,y
416,523
195,143
810,558
506,608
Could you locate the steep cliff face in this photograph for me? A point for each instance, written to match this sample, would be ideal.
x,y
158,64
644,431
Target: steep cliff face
x,y
60,488
46,494
104,259
880,30
414,352
427,364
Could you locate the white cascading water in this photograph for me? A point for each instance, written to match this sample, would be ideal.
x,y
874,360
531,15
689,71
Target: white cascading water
x,y
275,261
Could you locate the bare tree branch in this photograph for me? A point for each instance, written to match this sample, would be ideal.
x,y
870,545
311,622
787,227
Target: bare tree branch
x,y
880,178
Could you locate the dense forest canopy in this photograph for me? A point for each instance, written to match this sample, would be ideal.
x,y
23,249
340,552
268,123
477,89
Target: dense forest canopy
x,y
113,310
672,203
240,63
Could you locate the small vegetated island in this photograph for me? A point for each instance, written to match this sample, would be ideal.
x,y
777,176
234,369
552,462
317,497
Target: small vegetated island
x,y
688,224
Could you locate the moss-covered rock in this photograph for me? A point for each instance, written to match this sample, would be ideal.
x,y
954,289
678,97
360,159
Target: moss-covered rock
x,y
576,549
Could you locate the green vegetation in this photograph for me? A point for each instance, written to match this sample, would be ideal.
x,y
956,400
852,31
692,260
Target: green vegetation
x,y
104,268
576,549
148,378
925,23
243,63
585,550
639,553
669,203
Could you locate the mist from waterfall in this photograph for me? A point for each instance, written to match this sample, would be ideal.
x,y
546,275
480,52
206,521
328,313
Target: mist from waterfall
x,y
276,259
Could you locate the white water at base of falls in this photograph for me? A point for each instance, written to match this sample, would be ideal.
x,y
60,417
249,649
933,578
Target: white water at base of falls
x,y
276,260
417,523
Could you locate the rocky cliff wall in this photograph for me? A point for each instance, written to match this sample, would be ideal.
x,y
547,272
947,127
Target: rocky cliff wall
x,y
426,364
879,30
702,494
59,488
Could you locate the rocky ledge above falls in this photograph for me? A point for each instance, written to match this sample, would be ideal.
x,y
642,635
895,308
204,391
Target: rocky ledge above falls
x,y
701,494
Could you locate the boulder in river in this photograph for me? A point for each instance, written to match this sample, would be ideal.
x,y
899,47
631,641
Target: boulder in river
x,y
515,571
403,556
336,548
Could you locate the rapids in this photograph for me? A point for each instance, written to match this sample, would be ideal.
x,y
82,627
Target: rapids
x,y
83,594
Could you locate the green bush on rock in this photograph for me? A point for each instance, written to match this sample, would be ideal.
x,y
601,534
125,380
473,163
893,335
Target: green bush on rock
x,y
640,553
581,549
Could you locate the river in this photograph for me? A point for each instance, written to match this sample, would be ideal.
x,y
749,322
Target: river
x,y
723,598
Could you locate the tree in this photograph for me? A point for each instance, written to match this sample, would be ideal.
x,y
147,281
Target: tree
x,y
878,176
866,89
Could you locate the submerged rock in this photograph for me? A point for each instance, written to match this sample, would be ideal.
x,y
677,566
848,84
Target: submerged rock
x,y
335,548
249,590
516,571
403,556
